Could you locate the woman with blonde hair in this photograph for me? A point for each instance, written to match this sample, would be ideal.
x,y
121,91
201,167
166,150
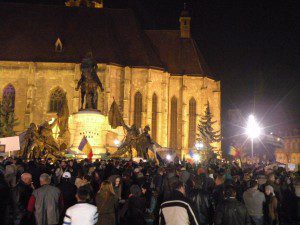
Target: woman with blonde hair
x,y
106,201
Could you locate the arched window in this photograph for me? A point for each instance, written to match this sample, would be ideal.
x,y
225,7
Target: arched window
x,y
173,130
57,98
154,117
192,122
138,105
9,95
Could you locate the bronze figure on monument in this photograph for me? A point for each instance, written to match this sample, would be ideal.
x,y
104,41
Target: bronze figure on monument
x,y
89,82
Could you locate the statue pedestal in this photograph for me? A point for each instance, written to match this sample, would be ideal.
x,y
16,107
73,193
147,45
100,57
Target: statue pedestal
x,y
95,126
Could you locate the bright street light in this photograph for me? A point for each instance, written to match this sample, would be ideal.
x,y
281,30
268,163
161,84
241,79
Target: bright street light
x,y
252,130
117,142
196,158
199,145
168,157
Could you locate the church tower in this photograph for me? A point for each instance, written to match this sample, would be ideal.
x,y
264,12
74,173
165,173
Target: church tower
x,y
185,23
85,3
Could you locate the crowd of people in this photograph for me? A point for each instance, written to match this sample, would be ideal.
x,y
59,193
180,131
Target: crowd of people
x,y
122,192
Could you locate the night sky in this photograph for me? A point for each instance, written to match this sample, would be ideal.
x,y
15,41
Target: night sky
x,y
250,46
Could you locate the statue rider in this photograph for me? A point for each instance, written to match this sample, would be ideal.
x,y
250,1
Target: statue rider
x,y
89,82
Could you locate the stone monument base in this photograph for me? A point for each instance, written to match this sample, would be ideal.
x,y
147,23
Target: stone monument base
x,y
95,126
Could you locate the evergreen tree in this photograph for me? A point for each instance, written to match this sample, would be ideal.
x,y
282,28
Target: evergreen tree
x,y
206,133
7,118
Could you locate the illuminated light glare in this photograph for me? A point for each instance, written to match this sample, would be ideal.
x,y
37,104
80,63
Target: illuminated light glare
x,y
168,157
196,157
253,130
52,120
117,142
199,145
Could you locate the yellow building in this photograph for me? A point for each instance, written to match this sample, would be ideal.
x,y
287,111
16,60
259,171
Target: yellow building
x,y
290,153
158,77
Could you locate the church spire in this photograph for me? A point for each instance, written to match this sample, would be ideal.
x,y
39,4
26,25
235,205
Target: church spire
x,y
185,23
85,3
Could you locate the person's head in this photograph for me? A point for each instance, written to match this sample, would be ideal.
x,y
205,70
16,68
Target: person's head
x,y
26,178
145,187
117,181
71,163
66,176
160,171
63,164
271,177
229,191
254,184
269,190
179,186
135,190
82,194
1,159
106,187
45,179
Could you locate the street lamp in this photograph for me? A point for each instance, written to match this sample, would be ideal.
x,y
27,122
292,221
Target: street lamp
x,y
252,130
199,145
117,142
196,158
169,157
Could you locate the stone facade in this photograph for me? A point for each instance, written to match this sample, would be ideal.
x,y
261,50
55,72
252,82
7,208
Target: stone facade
x,y
34,81
290,152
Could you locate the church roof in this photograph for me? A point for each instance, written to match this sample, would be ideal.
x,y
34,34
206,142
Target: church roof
x,y
30,32
179,55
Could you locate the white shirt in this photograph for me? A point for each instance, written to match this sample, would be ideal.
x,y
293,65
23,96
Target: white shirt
x,y
81,214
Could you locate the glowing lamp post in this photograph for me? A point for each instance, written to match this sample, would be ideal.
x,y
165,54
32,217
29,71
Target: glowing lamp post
x,y
117,142
196,158
199,145
252,130
169,157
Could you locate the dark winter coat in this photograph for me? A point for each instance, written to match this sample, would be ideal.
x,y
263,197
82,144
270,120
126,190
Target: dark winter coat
x,y
106,204
21,196
203,205
68,192
231,212
136,210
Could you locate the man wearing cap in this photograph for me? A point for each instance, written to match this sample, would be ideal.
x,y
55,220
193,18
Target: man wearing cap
x,y
68,190
46,202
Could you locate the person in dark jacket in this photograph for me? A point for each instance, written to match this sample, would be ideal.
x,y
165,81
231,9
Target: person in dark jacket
x,y
201,201
5,200
106,201
68,191
21,196
231,211
136,207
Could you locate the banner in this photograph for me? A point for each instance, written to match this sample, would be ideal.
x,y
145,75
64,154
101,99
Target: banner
x,y
10,144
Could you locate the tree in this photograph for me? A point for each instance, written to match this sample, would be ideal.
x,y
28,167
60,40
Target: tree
x,y
7,118
206,133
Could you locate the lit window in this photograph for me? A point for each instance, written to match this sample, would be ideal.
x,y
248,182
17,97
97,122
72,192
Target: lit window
x,y
58,45
57,99
173,130
192,122
154,117
138,104
9,95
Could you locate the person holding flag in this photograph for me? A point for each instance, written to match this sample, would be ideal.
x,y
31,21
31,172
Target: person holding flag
x,y
234,152
86,148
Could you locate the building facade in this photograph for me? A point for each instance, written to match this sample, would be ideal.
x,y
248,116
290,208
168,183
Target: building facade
x,y
157,77
290,152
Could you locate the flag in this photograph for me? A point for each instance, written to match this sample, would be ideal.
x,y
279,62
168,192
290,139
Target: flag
x,y
234,152
86,148
115,118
